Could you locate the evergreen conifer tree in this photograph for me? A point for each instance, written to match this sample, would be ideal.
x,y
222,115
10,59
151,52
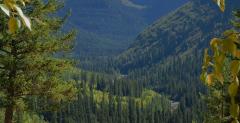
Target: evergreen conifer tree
x,y
32,62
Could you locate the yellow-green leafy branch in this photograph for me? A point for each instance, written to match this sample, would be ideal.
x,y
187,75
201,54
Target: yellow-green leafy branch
x,y
15,14
213,72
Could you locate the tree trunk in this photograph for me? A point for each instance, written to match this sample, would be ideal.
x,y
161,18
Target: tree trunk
x,y
12,75
9,114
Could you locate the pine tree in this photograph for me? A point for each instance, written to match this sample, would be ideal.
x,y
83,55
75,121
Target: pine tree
x,y
32,63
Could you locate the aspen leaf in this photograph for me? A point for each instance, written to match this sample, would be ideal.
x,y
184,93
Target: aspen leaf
x,y
219,77
9,3
235,67
237,53
210,79
214,43
12,25
234,110
233,89
23,2
218,66
5,9
25,20
19,23
233,41
206,59
221,4
232,35
229,46
203,76
228,33
220,59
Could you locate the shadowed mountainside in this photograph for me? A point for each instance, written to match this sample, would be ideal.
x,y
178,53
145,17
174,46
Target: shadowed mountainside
x,y
107,27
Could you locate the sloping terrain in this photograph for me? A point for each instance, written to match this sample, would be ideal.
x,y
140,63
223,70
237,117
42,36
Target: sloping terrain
x,y
107,27
181,33
167,56
154,9
103,22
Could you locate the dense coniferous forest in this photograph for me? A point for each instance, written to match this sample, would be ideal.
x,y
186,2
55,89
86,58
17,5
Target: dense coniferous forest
x,y
119,61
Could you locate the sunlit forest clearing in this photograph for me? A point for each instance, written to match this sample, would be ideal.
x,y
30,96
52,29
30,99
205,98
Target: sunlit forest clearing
x,y
119,61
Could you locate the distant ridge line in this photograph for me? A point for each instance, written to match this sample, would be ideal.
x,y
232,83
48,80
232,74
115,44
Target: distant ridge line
x,y
129,3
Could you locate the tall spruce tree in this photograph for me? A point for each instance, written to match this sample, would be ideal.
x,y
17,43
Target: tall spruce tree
x,y
32,62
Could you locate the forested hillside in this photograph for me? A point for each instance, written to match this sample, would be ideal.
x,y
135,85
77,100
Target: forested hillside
x,y
107,27
180,33
165,57
132,61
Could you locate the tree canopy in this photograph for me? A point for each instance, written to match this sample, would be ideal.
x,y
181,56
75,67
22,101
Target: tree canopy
x,y
33,63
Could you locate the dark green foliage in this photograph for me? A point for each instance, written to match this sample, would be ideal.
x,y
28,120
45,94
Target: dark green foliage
x,y
222,100
32,63
94,106
180,33
107,27
165,57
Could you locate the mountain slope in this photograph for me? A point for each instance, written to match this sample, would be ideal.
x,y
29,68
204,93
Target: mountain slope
x,y
182,32
167,56
157,8
114,23
102,21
